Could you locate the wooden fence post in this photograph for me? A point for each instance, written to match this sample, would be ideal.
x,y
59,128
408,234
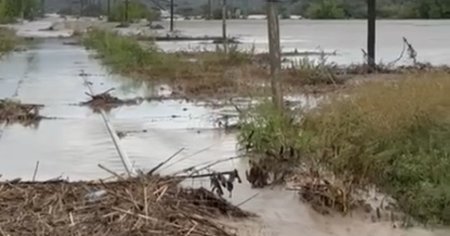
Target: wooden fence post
x,y
275,52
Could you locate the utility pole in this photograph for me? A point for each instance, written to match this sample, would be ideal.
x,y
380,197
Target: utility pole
x,y
81,7
171,15
274,52
209,17
246,9
126,10
371,15
108,9
42,8
224,26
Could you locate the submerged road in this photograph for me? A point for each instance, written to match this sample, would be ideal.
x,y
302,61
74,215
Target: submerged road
x,y
76,140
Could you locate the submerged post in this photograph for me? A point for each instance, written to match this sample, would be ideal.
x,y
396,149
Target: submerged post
x,y
171,15
275,52
371,18
224,26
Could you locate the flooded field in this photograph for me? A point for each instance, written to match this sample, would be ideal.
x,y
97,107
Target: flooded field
x,y
347,38
75,140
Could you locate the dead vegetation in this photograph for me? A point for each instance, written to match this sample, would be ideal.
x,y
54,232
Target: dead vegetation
x,y
105,101
16,112
146,205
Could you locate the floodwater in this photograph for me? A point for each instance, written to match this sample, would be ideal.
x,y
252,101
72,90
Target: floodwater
x,y
346,37
75,140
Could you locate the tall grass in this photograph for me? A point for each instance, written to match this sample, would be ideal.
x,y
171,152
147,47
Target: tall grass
x,y
392,134
200,71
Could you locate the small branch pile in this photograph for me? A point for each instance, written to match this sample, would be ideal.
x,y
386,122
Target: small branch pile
x,y
105,101
323,195
147,205
12,111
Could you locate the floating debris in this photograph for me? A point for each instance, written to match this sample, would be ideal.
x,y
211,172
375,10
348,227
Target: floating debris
x,y
16,112
105,101
146,205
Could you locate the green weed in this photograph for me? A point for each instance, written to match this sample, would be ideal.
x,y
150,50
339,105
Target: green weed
x,y
392,134
207,72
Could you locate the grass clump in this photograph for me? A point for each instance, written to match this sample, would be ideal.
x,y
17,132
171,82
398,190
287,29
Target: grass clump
x,y
392,134
274,138
7,40
306,71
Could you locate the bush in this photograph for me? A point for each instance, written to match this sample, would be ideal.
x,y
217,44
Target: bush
x,y
325,9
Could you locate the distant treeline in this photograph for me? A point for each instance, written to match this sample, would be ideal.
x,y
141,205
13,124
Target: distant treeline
x,y
342,9
13,9
345,9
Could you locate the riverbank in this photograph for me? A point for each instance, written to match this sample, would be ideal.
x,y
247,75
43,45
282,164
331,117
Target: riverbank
x,y
388,133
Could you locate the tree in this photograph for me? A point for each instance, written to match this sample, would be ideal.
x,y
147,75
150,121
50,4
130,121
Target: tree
x,y
12,9
136,10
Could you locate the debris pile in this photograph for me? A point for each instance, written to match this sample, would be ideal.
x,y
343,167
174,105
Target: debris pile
x,y
12,112
145,205
105,101
325,196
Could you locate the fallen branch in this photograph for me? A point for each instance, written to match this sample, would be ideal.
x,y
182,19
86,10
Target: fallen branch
x,y
152,171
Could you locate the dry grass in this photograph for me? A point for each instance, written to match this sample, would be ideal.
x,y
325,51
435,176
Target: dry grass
x,y
148,205
393,134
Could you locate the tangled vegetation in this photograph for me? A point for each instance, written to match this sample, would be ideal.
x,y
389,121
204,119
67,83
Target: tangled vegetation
x,y
392,134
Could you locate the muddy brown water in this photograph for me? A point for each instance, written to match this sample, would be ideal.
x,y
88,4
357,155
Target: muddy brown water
x,y
76,140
